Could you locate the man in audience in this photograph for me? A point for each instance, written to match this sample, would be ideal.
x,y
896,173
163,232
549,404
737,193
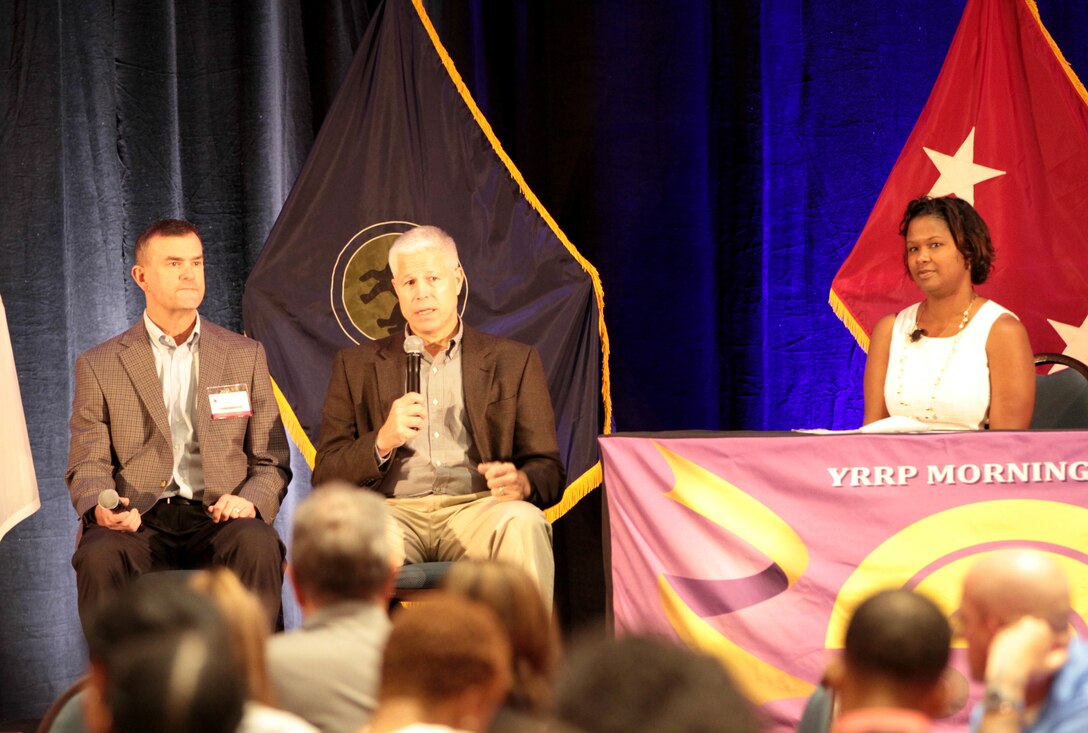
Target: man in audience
x,y
159,662
890,677
446,668
1016,614
178,457
646,685
327,671
467,461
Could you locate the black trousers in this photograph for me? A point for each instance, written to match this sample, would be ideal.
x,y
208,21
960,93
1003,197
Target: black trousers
x,y
179,536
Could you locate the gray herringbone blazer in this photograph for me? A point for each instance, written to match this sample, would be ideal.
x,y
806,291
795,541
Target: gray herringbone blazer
x,y
120,436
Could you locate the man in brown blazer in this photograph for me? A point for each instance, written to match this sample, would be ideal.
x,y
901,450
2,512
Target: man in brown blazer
x,y
467,462
177,416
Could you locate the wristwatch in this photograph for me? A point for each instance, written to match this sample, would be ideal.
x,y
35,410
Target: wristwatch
x,y
1002,702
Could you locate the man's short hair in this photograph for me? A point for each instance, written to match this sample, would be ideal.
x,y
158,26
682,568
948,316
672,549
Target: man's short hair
x,y
339,547
160,649
641,684
443,647
162,228
421,239
900,635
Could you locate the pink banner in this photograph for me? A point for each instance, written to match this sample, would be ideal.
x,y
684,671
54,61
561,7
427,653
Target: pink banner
x,y
758,548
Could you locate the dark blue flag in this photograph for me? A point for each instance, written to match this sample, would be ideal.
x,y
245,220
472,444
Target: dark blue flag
x,y
404,144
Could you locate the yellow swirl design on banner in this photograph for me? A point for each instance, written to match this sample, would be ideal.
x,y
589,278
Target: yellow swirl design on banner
x,y
903,555
711,496
760,681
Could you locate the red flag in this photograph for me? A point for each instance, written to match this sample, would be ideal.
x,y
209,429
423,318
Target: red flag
x,y
1006,128
19,488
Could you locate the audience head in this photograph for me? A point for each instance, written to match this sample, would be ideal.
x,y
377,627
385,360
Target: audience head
x,y
339,547
246,625
157,663
969,231
1005,586
515,598
895,655
447,661
636,684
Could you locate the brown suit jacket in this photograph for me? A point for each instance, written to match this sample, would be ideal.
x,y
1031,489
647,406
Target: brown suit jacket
x,y
506,398
120,436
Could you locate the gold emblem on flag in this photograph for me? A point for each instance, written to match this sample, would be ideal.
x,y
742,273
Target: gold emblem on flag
x,y
361,292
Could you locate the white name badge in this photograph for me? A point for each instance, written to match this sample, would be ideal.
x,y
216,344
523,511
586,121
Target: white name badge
x,y
230,400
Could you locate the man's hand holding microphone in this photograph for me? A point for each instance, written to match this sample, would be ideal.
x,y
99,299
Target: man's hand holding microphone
x,y
110,512
408,413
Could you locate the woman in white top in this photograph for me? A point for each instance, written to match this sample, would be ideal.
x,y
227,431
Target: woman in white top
x,y
954,361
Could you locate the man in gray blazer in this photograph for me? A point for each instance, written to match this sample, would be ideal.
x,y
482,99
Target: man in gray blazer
x,y
327,671
177,416
467,462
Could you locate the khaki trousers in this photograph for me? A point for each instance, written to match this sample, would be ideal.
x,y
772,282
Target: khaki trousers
x,y
475,526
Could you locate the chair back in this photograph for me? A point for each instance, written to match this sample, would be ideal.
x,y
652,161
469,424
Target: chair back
x,y
1061,398
65,715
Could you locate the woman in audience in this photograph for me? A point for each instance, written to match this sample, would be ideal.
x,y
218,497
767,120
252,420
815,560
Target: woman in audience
x,y
446,668
247,629
535,650
956,360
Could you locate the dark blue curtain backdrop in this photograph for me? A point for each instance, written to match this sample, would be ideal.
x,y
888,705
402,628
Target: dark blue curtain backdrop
x,y
714,160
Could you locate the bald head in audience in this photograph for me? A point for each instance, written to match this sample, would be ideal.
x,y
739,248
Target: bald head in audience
x,y
1016,612
1004,587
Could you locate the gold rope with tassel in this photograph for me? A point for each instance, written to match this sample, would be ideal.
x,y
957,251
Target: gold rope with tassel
x,y
591,479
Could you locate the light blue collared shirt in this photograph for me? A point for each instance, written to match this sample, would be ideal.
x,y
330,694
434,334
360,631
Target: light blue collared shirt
x,y
178,367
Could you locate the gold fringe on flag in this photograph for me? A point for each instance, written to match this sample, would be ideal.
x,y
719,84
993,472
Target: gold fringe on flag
x,y
849,321
591,479
1073,79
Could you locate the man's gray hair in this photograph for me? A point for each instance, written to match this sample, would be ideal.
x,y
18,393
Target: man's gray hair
x,y
421,239
339,547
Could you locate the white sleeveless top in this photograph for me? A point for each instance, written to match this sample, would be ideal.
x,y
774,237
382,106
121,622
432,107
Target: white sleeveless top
x,y
943,383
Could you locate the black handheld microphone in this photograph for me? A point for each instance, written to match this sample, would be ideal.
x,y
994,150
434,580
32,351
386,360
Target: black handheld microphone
x,y
109,500
413,347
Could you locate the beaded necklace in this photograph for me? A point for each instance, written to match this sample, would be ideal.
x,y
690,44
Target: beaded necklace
x,y
930,413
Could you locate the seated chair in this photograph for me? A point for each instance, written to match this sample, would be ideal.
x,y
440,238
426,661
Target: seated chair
x,y
1061,398
65,715
415,580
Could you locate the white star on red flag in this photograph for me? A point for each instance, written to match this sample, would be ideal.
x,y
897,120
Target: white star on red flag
x,y
1075,338
959,172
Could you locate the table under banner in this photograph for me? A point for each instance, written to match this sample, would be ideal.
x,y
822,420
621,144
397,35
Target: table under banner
x,y
757,547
